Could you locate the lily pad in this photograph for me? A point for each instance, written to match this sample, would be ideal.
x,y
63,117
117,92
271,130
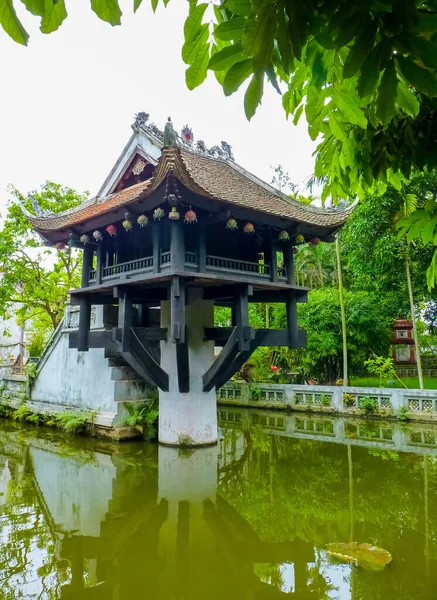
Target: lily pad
x,y
366,556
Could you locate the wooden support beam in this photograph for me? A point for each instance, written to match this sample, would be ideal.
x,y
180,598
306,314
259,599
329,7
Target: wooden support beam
x,y
177,310
87,261
230,291
222,362
148,337
177,245
242,315
142,361
156,247
291,312
84,325
202,248
183,367
151,334
125,318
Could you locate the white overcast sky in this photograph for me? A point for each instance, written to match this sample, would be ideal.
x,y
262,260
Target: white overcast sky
x,y
69,98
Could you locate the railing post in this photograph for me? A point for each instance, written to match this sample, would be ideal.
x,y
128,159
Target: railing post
x,y
156,248
201,259
289,263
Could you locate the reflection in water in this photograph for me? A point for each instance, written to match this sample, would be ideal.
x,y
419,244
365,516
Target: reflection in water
x,y
250,518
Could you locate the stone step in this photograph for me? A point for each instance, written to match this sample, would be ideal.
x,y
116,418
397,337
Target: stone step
x,y
124,372
116,362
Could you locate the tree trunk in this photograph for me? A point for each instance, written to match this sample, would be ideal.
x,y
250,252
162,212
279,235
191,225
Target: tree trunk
x,y
343,314
413,319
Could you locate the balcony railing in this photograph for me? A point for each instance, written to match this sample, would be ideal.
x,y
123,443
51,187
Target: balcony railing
x,y
229,264
139,265
217,264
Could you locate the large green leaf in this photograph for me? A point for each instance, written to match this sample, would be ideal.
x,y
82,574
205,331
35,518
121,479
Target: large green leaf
x,y
191,50
431,273
372,66
197,72
228,56
407,100
36,7
258,38
11,23
243,8
231,30
360,50
349,106
137,4
385,102
236,75
253,95
426,51
427,22
107,10
422,79
428,230
54,15
193,22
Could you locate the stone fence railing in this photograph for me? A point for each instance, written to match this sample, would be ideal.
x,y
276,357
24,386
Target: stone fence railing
x,y
420,405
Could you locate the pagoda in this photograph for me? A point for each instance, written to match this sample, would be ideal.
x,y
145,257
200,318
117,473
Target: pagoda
x,y
175,230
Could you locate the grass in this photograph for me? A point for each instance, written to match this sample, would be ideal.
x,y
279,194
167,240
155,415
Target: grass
x,y
429,383
70,422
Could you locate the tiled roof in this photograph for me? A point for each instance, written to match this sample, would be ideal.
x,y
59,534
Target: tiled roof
x,y
214,178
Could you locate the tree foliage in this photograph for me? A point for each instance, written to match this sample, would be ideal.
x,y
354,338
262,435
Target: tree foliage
x,y
364,73
35,280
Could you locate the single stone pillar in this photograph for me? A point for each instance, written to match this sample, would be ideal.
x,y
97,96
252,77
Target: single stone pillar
x,y
188,419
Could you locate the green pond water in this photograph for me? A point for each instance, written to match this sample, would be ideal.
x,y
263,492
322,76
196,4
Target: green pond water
x,y
251,518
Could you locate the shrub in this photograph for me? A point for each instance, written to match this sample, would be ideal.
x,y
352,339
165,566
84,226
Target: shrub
x,y
403,414
349,399
71,422
368,404
326,400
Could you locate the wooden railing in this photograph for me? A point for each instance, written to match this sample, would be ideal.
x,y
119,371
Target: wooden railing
x,y
213,263
191,259
229,264
165,259
141,264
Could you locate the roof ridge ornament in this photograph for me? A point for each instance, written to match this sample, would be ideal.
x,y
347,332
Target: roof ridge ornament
x,y
184,140
169,135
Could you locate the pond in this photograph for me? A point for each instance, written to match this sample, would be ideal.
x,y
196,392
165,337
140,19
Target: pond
x,y
262,515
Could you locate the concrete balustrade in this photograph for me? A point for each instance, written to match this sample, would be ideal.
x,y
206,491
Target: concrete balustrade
x,y
417,405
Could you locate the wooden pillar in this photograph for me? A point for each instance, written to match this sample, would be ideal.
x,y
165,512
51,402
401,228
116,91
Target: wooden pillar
x,y
177,309
87,261
125,317
202,248
177,245
84,324
242,315
289,263
156,248
291,310
99,262
273,258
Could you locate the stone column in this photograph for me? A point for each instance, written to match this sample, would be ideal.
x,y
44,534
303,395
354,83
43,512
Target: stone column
x,y
188,419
